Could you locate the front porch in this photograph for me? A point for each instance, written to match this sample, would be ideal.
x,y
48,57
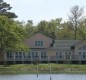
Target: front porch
x,y
53,59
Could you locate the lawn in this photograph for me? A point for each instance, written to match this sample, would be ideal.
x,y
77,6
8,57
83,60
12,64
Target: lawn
x,y
43,69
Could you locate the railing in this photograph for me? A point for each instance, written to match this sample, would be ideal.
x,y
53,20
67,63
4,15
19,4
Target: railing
x,y
46,58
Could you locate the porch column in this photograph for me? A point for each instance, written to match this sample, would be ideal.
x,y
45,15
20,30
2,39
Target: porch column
x,y
40,56
14,62
23,57
5,58
70,59
31,57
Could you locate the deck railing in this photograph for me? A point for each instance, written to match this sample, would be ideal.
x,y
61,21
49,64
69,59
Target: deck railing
x,y
48,58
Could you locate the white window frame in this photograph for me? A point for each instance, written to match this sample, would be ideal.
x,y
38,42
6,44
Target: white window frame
x,y
38,43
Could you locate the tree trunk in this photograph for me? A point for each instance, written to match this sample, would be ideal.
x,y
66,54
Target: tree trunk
x,y
75,33
2,58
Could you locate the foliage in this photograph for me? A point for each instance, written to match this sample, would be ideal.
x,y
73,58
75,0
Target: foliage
x,y
82,30
74,28
49,28
29,28
75,17
4,10
11,35
57,29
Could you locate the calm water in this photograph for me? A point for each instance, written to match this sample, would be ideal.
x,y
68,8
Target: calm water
x,y
44,77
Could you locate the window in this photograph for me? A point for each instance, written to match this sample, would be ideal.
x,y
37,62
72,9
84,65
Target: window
x,y
79,53
68,55
34,54
38,43
84,54
9,55
24,55
43,54
18,55
29,55
59,55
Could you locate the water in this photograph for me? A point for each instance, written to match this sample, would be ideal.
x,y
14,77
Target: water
x,y
44,77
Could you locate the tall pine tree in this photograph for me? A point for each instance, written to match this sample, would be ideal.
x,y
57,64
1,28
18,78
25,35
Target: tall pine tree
x,y
4,10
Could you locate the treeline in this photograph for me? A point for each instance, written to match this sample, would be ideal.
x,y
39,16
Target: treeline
x,y
73,28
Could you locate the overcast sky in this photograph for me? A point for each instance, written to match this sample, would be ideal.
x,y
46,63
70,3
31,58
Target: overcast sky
x,y
38,10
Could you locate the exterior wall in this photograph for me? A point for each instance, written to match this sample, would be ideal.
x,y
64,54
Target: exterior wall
x,y
78,46
30,42
51,53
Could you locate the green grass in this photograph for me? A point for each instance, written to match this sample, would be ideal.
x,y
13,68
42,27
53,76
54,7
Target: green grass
x,y
43,69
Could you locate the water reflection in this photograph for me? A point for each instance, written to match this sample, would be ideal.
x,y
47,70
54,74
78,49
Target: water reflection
x,y
44,77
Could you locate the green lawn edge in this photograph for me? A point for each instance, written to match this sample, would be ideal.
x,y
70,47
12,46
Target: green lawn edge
x,y
43,69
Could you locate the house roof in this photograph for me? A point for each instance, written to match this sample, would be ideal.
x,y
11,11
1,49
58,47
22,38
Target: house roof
x,y
64,44
61,44
69,42
40,34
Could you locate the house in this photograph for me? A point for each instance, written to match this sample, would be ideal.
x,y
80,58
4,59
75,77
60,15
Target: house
x,y
45,49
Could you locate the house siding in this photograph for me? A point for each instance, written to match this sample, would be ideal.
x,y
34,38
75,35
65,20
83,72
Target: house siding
x,y
30,42
78,46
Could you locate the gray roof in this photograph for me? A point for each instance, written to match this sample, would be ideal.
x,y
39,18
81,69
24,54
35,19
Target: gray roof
x,y
64,44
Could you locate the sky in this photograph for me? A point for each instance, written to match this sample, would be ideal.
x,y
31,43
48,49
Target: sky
x,y
38,10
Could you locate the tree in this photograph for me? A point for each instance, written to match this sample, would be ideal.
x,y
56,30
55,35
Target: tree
x,y
49,28
75,16
42,27
4,10
82,30
67,31
11,36
29,28
54,26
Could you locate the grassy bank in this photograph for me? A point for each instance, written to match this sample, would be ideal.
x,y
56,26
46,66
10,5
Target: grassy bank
x,y
43,68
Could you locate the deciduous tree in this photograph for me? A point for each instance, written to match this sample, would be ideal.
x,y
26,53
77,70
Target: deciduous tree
x,y
11,36
75,16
